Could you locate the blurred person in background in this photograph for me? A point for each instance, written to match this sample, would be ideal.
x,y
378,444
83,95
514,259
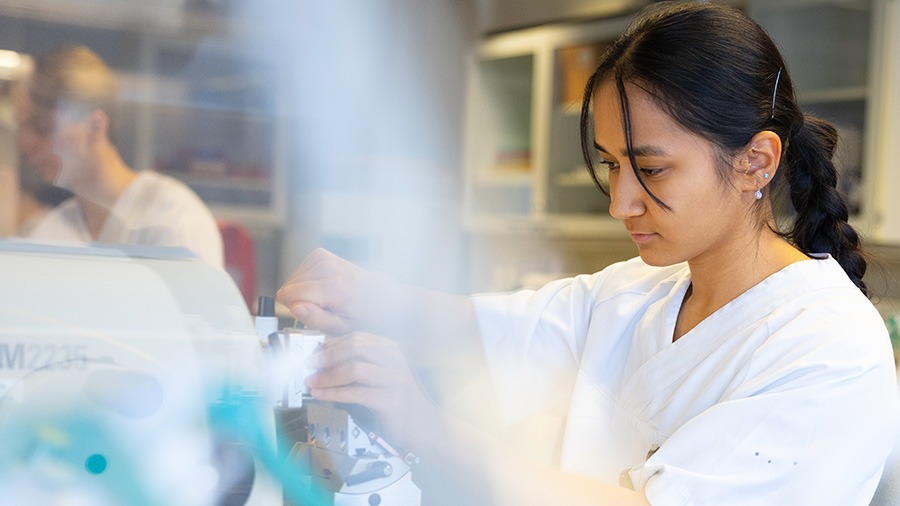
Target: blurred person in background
x,y
66,120
36,198
25,198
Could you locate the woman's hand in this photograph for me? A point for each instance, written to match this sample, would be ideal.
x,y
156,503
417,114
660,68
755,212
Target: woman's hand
x,y
371,371
333,295
330,294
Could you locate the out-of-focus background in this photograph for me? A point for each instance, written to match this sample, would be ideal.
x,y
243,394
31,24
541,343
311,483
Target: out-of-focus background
x,y
435,140
432,139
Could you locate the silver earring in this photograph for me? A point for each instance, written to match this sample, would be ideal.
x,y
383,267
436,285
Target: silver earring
x,y
758,194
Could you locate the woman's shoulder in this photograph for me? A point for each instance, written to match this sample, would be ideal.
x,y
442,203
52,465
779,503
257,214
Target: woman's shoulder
x,y
820,286
630,278
821,311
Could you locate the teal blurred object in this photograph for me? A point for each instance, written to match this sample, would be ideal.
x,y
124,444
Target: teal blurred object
x,y
242,418
45,459
83,455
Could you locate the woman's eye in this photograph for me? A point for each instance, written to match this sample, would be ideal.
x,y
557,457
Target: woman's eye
x,y
610,165
651,172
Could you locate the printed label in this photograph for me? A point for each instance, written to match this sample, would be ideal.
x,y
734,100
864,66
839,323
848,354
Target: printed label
x,y
20,356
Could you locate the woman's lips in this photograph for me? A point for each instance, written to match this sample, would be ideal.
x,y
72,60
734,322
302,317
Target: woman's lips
x,y
641,238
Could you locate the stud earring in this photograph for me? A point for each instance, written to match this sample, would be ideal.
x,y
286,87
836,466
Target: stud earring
x,y
747,170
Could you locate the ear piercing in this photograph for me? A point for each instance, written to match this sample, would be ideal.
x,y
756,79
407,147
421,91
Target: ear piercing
x,y
758,193
758,189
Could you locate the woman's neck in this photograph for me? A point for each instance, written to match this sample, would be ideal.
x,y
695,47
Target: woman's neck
x,y
719,278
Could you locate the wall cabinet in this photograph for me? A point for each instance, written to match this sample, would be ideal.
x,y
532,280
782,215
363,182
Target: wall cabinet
x,y
883,207
524,171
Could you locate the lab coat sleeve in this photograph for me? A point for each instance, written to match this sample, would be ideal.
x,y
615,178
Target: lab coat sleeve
x,y
811,424
533,341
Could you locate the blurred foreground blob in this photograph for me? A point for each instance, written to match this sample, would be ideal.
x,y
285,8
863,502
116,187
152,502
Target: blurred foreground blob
x,y
111,437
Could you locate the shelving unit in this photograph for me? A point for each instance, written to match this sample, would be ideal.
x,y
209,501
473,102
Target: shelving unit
x,y
882,208
524,107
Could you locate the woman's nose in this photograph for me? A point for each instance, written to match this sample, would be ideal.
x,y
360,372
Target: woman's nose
x,y
626,195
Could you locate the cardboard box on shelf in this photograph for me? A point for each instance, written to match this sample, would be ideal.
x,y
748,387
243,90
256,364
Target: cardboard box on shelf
x,y
577,63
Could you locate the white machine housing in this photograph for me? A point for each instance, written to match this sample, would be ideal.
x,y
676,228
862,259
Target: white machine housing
x,y
110,357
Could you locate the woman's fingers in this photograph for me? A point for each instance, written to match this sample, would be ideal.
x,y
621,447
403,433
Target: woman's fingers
x,y
315,306
358,358
327,292
316,317
358,346
371,371
355,373
386,402
320,292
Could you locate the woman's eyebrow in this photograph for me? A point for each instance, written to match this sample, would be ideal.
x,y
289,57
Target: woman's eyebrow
x,y
648,151
638,151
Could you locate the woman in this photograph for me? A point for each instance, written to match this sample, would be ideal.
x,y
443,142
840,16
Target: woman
x,y
732,363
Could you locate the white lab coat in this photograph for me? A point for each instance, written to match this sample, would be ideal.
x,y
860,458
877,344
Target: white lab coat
x,y
154,210
786,395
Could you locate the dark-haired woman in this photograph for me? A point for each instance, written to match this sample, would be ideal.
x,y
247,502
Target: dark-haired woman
x,y
731,363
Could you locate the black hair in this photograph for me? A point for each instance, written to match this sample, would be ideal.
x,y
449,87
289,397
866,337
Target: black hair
x,y
714,71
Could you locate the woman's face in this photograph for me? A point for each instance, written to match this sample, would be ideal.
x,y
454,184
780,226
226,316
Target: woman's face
x,y
708,218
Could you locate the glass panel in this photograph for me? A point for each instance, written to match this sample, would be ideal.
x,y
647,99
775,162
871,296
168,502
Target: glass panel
x,y
503,160
506,114
570,189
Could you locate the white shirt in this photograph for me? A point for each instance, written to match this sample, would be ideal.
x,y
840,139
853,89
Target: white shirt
x,y
155,210
785,396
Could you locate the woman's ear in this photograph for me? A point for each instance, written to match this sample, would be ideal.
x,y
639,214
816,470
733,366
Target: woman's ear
x,y
760,161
